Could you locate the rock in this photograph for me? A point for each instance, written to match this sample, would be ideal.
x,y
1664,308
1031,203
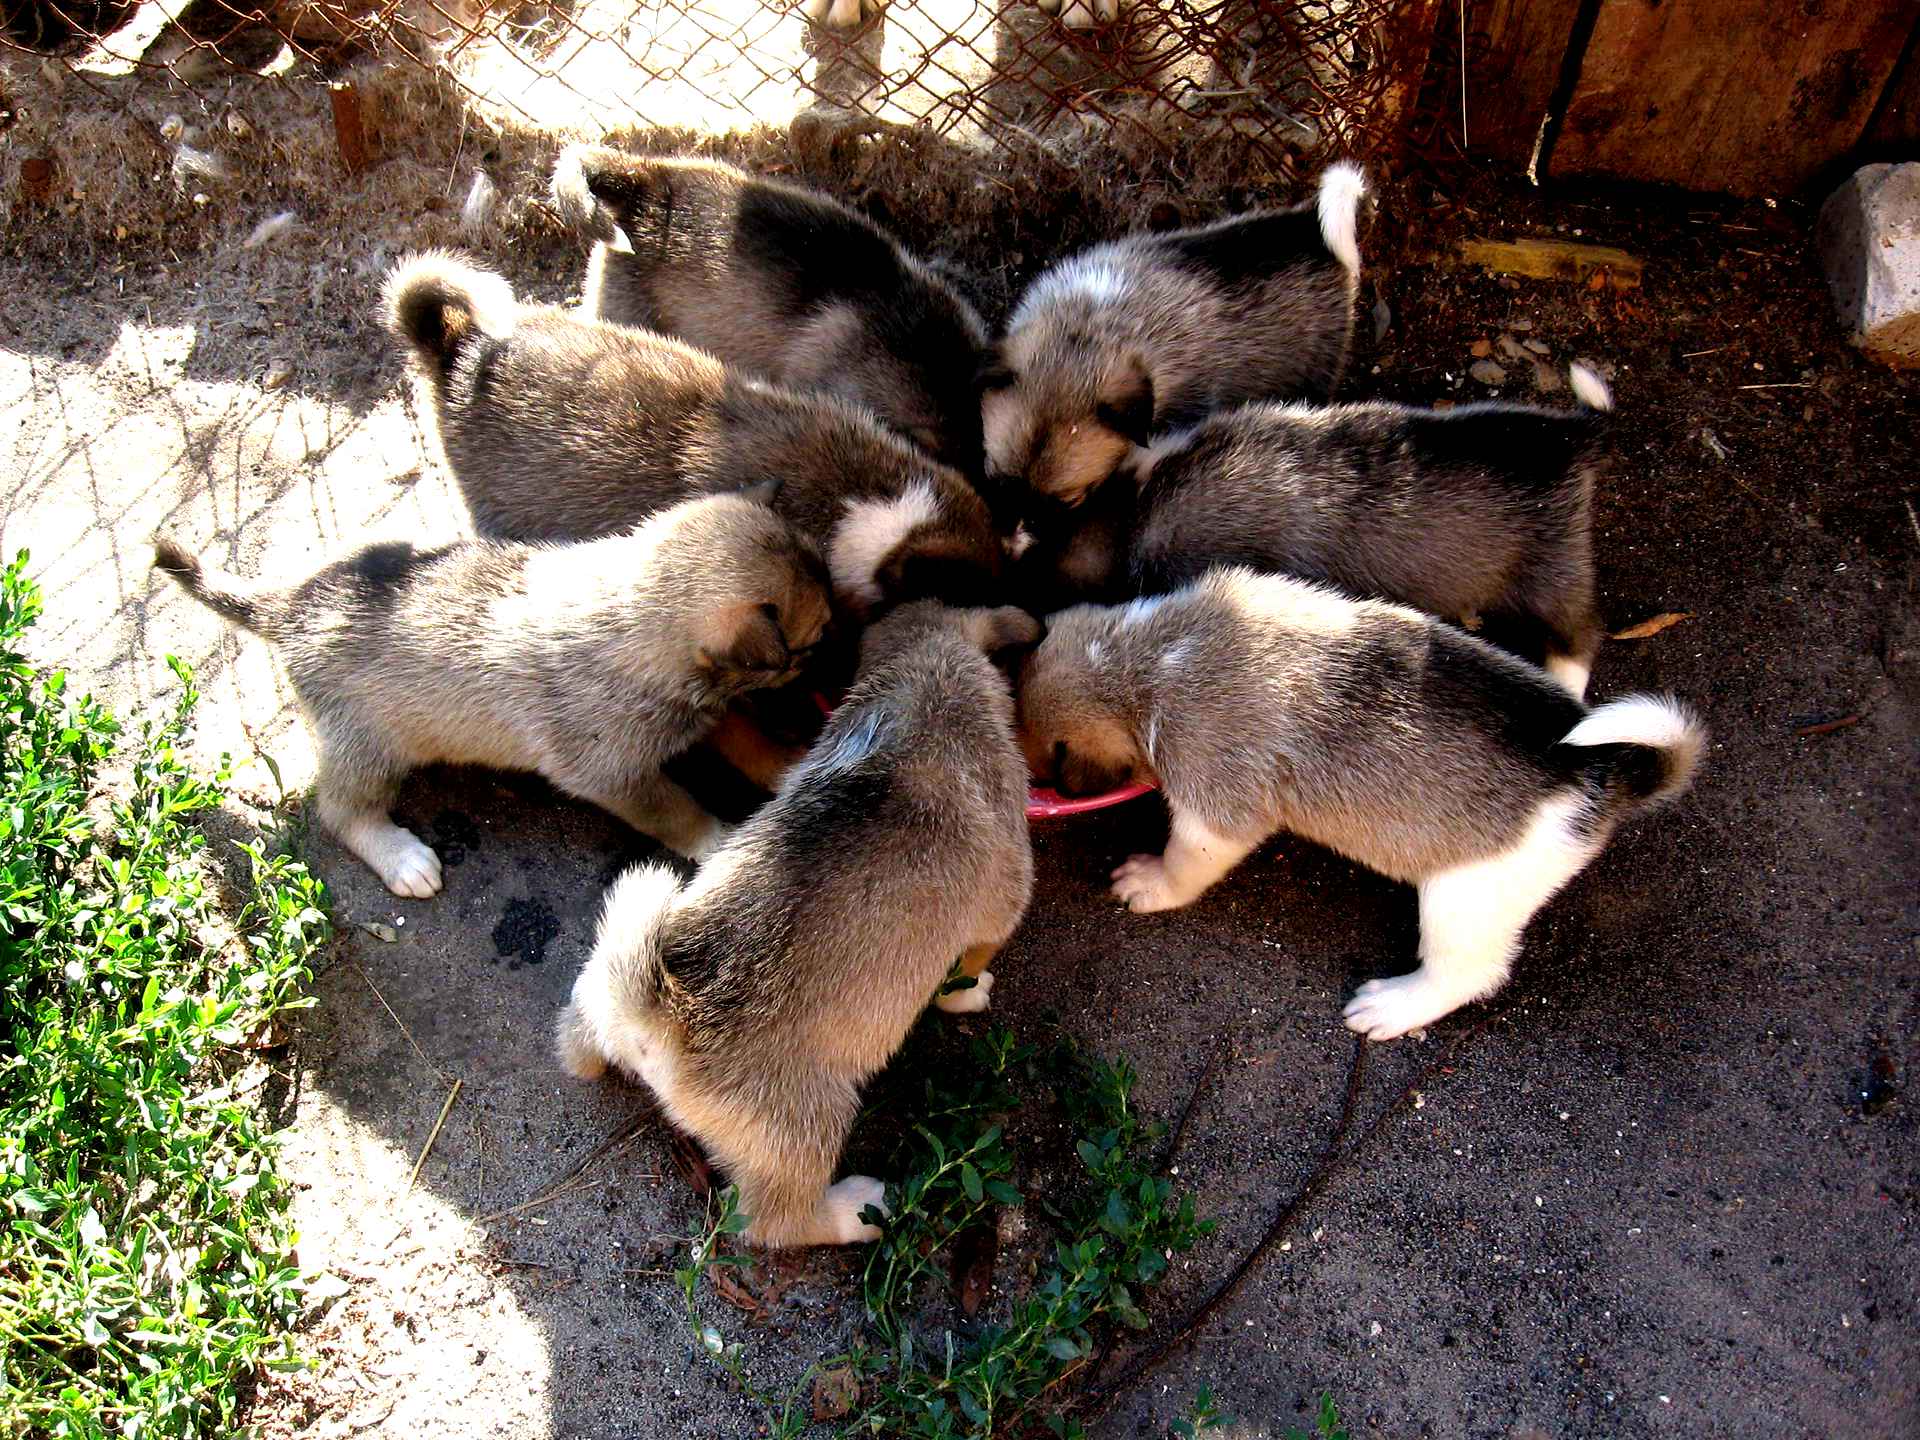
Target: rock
x,y
1488,372
1480,349
1512,349
1869,241
1538,347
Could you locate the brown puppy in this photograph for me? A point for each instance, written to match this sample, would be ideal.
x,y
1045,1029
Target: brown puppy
x,y
1481,512
1262,704
591,664
562,428
782,281
1151,332
756,998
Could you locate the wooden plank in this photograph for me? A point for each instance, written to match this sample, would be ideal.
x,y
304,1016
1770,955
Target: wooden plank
x,y
1894,131
1508,86
1749,96
1539,259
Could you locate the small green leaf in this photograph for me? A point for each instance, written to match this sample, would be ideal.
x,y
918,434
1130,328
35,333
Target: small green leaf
x,y
970,1182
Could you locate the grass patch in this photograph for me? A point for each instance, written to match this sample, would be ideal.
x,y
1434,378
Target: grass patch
x,y
146,1265
1114,1231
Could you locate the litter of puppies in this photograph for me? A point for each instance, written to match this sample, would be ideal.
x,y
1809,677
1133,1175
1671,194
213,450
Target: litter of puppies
x,y
1134,542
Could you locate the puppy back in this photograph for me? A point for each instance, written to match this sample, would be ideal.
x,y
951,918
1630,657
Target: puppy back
x,y
438,304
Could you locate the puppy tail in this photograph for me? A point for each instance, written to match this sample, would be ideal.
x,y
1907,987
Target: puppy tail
x,y
243,602
1646,748
596,188
624,980
437,303
1342,187
1589,389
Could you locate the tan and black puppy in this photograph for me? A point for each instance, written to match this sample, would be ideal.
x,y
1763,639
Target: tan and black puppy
x,y
1484,513
557,427
591,664
1152,332
756,998
1261,704
782,281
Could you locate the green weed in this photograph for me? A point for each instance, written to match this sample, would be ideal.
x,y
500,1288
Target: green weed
x,y
146,1265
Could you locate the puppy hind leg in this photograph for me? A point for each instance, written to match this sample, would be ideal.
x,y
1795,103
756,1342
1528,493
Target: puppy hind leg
x,y
356,787
972,965
785,1191
1196,858
1471,920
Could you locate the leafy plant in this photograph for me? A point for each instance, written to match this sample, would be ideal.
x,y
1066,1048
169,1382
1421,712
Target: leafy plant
x,y
146,1266
1326,1424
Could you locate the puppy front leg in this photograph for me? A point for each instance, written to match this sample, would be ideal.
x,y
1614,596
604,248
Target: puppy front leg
x,y
355,795
658,807
1197,856
751,751
973,966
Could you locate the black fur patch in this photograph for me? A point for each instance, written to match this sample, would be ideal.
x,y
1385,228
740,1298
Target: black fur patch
x,y
1522,444
1520,706
1250,248
819,249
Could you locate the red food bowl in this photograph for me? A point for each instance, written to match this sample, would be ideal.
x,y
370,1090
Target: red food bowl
x,y
1045,804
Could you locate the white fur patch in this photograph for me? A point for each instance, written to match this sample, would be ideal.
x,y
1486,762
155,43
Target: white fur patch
x,y
1571,673
1138,612
1096,653
1471,921
1341,187
1100,281
868,532
1656,720
1588,388
1176,655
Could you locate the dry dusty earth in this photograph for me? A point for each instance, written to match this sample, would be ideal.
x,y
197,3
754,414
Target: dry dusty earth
x,y
1665,1185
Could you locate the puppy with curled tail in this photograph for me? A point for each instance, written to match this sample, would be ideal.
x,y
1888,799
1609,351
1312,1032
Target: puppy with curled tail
x,y
1261,703
562,428
756,998
1482,513
591,664
1153,331
784,282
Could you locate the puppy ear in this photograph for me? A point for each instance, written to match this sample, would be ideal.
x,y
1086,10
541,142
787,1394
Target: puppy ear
x,y
763,492
1003,628
742,638
1127,406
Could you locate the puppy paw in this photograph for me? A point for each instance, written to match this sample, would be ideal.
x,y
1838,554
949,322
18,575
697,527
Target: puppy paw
x,y
844,1203
968,1002
408,865
715,836
1082,14
1388,1009
1142,882
839,14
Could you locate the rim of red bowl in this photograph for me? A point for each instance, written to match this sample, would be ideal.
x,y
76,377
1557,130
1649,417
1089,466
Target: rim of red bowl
x,y
1044,803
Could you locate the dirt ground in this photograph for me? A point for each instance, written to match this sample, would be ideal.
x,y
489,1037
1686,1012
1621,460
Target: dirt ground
x,y
1664,1185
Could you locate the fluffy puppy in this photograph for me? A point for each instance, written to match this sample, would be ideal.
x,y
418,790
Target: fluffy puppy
x,y
1481,513
1153,331
557,427
591,664
1262,703
756,998
782,281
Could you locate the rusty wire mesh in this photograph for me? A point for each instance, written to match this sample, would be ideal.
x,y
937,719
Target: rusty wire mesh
x,y
1281,84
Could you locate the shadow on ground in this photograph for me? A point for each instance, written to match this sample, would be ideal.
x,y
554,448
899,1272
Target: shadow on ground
x,y
1664,1184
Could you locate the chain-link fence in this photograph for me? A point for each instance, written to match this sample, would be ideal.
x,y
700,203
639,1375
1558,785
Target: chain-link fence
x,y
1277,85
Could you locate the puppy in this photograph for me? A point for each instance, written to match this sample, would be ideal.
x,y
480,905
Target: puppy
x,y
591,664
1483,513
1262,703
755,999
1152,332
557,427
782,281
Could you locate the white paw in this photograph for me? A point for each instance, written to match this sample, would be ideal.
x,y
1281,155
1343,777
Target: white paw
x,y
715,836
968,1002
1142,882
846,1200
408,865
1388,1009
838,14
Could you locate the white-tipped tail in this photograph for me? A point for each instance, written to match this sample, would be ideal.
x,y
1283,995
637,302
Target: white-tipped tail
x,y
1658,722
1588,388
423,288
613,996
1341,187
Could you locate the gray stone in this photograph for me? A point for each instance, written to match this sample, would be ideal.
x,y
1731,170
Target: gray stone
x,y
1487,372
1869,241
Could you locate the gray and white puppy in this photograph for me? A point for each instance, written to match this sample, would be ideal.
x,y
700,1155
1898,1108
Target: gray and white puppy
x,y
1151,332
1484,513
1263,703
782,281
756,998
558,427
591,664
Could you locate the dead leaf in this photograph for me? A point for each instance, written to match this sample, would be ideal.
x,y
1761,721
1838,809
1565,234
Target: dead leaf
x,y
728,1285
691,1162
835,1393
974,1254
379,931
1648,628
1827,727
1480,349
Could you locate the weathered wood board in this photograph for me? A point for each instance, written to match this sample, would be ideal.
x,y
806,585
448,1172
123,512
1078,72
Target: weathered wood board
x,y
1509,85
1894,132
1754,97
